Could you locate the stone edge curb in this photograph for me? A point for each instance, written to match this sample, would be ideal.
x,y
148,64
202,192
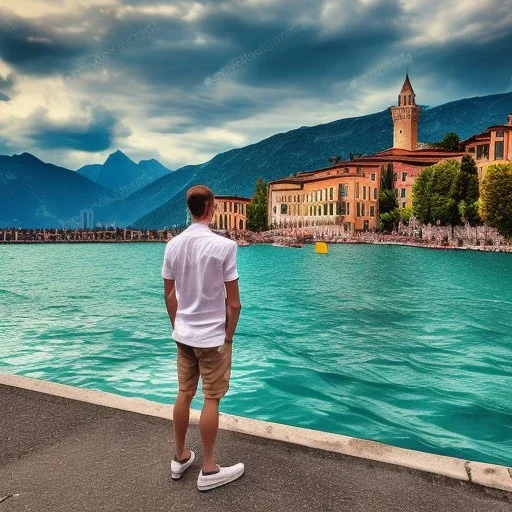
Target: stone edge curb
x,y
488,475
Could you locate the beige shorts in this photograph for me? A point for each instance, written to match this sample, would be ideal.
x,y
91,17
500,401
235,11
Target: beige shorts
x,y
212,364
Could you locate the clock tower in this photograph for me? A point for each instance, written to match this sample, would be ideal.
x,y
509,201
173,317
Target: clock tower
x,y
405,118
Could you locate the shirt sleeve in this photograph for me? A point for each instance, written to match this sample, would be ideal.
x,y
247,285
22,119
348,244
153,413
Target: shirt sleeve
x,y
229,265
167,270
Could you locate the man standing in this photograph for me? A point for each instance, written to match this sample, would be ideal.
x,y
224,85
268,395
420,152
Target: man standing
x,y
203,302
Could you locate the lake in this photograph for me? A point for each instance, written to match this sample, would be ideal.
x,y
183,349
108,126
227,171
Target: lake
x,y
410,347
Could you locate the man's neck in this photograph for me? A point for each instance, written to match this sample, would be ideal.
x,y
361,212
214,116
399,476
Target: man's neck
x,y
204,222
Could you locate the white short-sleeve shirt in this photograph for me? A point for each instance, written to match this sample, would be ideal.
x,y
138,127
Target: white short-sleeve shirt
x,y
200,262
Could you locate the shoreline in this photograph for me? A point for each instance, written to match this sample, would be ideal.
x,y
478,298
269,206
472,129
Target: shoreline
x,y
485,474
476,248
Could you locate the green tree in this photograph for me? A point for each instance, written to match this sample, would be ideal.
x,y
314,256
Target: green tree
x,y
388,220
496,199
433,194
388,202
257,209
405,214
450,142
467,191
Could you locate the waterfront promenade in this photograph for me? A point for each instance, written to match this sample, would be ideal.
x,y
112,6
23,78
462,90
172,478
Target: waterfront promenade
x,y
63,455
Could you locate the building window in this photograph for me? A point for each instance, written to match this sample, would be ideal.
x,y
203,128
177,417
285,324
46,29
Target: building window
x,y
331,193
358,209
404,176
357,190
372,211
362,210
375,193
230,207
482,152
225,206
499,133
342,190
236,207
471,149
331,209
373,176
274,209
347,208
284,209
498,150
404,205
325,209
364,192
402,192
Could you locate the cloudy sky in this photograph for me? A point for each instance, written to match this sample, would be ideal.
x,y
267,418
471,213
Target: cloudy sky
x,y
183,80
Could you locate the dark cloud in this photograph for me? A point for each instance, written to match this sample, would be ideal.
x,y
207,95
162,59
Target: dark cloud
x,y
207,70
35,50
96,135
6,87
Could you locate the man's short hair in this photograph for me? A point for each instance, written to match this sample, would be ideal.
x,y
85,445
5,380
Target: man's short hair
x,y
198,198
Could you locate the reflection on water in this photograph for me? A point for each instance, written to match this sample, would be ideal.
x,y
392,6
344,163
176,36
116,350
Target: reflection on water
x,y
406,346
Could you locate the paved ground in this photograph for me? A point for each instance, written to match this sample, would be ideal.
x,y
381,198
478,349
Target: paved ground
x,y
59,455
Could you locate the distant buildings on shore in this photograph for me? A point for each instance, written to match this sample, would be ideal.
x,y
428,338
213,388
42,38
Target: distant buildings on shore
x,y
491,147
230,213
85,235
347,193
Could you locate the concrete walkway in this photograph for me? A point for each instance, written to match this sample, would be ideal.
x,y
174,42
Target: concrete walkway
x,y
64,455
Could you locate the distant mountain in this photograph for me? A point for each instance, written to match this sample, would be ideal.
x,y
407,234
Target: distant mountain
x,y
307,148
119,172
126,210
35,194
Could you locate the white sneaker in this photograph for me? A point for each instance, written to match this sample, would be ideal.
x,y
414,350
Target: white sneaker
x,y
177,468
224,476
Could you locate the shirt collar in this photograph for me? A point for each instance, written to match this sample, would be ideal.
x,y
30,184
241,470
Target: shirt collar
x,y
198,225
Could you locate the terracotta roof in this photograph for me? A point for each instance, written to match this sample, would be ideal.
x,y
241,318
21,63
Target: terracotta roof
x,y
233,198
419,157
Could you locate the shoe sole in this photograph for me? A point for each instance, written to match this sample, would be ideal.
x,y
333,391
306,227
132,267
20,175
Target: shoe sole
x,y
219,484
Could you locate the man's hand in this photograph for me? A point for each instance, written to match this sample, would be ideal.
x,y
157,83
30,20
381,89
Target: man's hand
x,y
233,308
171,302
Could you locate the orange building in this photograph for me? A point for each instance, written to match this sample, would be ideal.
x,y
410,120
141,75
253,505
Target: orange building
x,y
347,193
231,212
343,194
491,147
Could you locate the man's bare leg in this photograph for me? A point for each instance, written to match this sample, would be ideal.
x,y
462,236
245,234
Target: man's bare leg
x,y
180,416
209,426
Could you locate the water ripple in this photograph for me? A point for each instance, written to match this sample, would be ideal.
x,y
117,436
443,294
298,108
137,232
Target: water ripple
x,y
407,347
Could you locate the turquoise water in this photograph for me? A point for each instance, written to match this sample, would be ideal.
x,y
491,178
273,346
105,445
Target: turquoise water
x,y
406,346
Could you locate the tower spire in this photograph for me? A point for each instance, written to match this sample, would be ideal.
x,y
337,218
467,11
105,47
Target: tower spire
x,y
405,117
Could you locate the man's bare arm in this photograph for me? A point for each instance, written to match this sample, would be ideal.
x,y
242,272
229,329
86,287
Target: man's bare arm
x,y
233,308
171,302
